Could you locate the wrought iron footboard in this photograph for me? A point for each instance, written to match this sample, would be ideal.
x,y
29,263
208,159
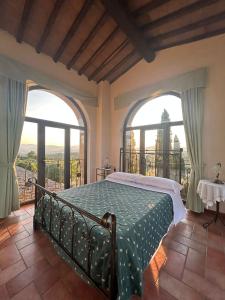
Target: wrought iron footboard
x,y
108,222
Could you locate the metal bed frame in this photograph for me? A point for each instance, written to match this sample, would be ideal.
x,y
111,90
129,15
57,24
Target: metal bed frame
x,y
108,222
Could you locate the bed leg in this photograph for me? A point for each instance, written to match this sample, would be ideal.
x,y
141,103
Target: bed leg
x,y
113,281
35,224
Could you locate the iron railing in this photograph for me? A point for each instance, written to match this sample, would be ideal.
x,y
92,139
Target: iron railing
x,y
171,164
54,176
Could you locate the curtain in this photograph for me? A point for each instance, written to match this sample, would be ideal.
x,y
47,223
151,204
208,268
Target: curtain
x,y
192,107
12,114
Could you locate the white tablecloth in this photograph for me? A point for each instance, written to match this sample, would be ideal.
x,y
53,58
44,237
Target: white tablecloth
x,y
211,192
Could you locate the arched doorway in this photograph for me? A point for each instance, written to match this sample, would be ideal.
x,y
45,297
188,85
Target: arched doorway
x,y
54,143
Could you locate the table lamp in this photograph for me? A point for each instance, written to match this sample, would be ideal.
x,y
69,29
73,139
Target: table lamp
x,y
217,168
107,163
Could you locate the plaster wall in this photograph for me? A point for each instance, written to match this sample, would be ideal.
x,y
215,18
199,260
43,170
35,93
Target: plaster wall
x,y
103,140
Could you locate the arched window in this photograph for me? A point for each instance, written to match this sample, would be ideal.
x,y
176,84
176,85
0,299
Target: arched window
x,y
154,140
53,143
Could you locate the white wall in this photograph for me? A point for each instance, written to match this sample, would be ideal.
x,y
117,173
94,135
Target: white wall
x,y
27,55
103,124
172,62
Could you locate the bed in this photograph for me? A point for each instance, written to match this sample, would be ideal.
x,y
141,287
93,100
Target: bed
x,y
109,230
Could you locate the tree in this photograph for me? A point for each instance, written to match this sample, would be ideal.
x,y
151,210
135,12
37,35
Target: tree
x,y
31,155
131,148
163,142
176,143
162,147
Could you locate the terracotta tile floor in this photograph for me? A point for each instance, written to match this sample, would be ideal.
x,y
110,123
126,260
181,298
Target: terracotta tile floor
x,y
189,264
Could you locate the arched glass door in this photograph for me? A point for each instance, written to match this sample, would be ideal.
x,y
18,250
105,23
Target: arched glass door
x,y
154,139
53,144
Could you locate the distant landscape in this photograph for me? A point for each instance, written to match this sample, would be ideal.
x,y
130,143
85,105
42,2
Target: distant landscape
x,y
49,149
54,161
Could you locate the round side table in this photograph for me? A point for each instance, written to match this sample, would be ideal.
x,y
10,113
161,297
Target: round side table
x,y
212,193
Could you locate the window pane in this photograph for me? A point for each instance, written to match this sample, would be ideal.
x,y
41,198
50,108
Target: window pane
x,y
178,141
133,140
132,152
76,157
54,158
26,163
161,109
153,152
47,106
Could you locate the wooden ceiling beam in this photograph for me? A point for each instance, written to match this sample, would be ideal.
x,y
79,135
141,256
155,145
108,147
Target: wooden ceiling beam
x,y
99,50
148,7
118,65
109,59
193,26
87,41
178,14
125,69
23,21
121,17
51,21
73,29
192,39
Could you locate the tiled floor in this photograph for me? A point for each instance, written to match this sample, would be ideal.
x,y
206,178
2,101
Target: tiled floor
x,y
189,265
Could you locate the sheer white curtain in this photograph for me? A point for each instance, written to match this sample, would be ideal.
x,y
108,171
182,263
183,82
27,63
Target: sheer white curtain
x,y
12,113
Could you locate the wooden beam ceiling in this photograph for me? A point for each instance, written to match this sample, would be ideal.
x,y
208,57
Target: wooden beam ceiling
x,y
86,42
115,77
115,42
192,39
109,59
73,29
23,21
49,24
127,25
117,66
177,14
148,7
99,50
193,26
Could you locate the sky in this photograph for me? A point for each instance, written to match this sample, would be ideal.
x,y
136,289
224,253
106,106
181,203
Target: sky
x,y
44,105
150,113
47,106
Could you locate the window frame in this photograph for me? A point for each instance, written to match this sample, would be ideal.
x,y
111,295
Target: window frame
x,y
41,124
142,128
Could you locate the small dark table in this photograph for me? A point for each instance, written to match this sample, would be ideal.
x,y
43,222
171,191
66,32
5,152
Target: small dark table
x,y
216,217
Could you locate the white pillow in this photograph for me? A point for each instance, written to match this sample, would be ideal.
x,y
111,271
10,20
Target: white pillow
x,y
164,183
124,176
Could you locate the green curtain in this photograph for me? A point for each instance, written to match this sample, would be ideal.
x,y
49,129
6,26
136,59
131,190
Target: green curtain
x,y
12,113
192,108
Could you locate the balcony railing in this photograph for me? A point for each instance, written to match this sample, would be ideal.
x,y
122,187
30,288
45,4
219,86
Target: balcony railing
x,y
171,164
54,176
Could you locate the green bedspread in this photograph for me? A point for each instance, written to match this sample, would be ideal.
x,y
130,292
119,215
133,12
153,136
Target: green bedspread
x,y
143,218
